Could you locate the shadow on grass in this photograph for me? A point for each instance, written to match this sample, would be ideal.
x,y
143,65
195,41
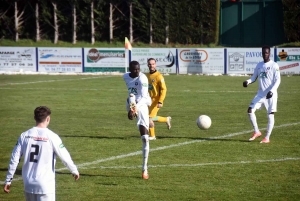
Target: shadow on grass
x,y
18,172
92,175
159,137
102,137
204,139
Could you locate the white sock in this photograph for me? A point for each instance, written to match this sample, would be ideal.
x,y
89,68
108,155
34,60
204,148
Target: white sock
x,y
145,150
253,121
271,121
131,98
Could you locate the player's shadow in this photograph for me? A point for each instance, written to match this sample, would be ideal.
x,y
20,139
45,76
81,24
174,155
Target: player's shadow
x,y
18,172
206,139
101,137
81,174
91,175
160,137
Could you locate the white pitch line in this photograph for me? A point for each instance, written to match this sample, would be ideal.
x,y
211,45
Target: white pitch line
x,y
83,165
44,81
195,165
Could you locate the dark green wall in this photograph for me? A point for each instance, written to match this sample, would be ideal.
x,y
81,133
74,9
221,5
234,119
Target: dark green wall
x,y
251,23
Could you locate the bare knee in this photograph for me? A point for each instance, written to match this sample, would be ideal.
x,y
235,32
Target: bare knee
x,y
151,123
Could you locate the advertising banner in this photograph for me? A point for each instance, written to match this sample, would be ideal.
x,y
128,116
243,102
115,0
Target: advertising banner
x,y
244,60
59,60
165,58
204,60
18,59
288,60
104,60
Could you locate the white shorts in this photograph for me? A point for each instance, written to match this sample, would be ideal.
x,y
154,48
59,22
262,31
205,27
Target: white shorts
x,y
143,115
270,104
39,197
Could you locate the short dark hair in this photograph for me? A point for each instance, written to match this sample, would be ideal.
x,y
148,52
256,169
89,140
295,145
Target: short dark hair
x,y
151,59
41,113
133,63
266,47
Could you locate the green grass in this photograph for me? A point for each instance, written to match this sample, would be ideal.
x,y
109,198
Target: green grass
x,y
185,163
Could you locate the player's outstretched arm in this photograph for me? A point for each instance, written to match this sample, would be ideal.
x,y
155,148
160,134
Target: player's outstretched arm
x,y
6,188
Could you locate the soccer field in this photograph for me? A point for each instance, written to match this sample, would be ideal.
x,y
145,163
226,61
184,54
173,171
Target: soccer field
x,y
185,163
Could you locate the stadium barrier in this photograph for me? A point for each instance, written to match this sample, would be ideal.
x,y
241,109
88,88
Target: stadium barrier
x,y
206,61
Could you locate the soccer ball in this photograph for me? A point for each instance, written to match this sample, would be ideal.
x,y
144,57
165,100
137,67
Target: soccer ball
x,y
203,122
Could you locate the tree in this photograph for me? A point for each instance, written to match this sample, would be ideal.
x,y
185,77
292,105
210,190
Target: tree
x,y
74,22
37,24
55,21
19,20
130,22
92,24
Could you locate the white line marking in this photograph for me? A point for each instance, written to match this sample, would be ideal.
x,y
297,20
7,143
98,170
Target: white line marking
x,y
196,165
43,81
83,165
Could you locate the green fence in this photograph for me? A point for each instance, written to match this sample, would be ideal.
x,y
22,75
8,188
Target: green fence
x,y
251,23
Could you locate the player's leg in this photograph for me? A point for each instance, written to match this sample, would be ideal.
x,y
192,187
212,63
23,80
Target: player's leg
x,y
152,114
143,124
132,103
271,107
30,196
46,197
151,130
255,104
166,120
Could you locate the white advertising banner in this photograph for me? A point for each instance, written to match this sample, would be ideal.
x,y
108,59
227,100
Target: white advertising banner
x,y
201,60
288,60
18,59
104,60
165,58
59,60
244,60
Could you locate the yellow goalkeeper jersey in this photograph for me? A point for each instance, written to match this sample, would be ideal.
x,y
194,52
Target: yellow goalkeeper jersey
x,y
157,87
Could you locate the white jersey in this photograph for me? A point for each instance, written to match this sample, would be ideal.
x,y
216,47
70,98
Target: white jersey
x,y
139,87
268,77
39,146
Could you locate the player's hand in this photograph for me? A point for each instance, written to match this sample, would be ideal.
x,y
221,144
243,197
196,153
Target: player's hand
x,y
269,95
159,105
76,176
6,188
245,83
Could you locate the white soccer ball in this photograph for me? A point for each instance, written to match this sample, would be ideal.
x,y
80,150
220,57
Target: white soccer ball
x,y
203,122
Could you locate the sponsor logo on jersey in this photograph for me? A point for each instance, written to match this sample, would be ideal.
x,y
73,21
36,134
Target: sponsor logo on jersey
x,y
61,145
263,74
150,87
36,138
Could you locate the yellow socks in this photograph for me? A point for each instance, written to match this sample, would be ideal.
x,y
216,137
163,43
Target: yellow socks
x,y
162,119
151,132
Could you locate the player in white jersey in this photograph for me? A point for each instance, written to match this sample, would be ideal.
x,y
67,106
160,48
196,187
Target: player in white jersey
x,y
137,106
268,75
39,146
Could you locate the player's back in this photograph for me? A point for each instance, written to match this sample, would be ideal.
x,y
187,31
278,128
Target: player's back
x,y
39,160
